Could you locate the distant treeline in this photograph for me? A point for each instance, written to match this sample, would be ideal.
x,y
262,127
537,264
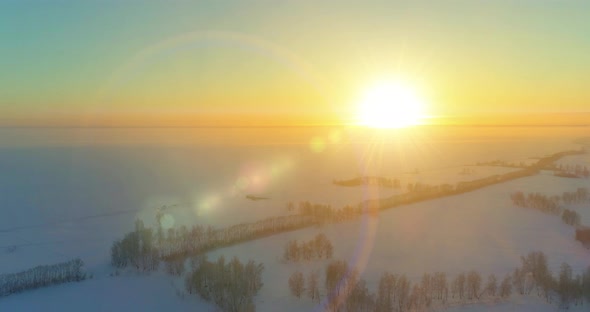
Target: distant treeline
x,y
346,292
420,192
143,248
551,204
502,163
571,171
42,276
368,180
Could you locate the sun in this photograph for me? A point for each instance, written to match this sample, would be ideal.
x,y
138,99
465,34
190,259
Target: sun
x,y
390,104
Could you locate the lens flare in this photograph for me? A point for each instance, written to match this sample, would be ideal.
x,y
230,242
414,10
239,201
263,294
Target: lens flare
x,y
317,144
335,137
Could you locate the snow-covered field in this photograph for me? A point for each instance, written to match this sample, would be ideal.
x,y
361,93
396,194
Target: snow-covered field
x,y
155,292
480,230
516,304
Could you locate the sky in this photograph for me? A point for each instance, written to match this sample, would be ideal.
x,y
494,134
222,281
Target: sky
x,y
290,57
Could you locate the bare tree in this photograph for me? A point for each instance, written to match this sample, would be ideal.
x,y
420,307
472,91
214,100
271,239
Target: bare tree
x,y
506,287
313,290
231,286
518,281
415,301
473,285
297,284
458,286
426,286
317,248
335,274
440,286
402,293
386,293
565,282
491,285
359,298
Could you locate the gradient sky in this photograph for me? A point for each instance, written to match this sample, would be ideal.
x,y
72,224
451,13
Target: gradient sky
x,y
301,57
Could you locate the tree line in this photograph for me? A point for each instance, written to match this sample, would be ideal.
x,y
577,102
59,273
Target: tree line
x,y
503,163
550,204
42,276
326,213
317,248
369,180
345,291
571,171
143,248
424,192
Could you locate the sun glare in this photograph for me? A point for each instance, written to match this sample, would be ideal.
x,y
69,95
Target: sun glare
x,y
390,105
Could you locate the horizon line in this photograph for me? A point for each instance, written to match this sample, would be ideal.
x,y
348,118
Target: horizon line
x,y
221,121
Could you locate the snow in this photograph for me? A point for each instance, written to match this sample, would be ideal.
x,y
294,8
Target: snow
x,y
104,293
479,230
517,303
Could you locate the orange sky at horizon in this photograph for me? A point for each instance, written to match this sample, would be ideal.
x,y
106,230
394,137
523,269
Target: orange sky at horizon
x,y
275,120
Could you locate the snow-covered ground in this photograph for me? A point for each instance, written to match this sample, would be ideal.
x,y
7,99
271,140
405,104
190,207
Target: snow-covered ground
x,y
155,292
515,304
479,230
